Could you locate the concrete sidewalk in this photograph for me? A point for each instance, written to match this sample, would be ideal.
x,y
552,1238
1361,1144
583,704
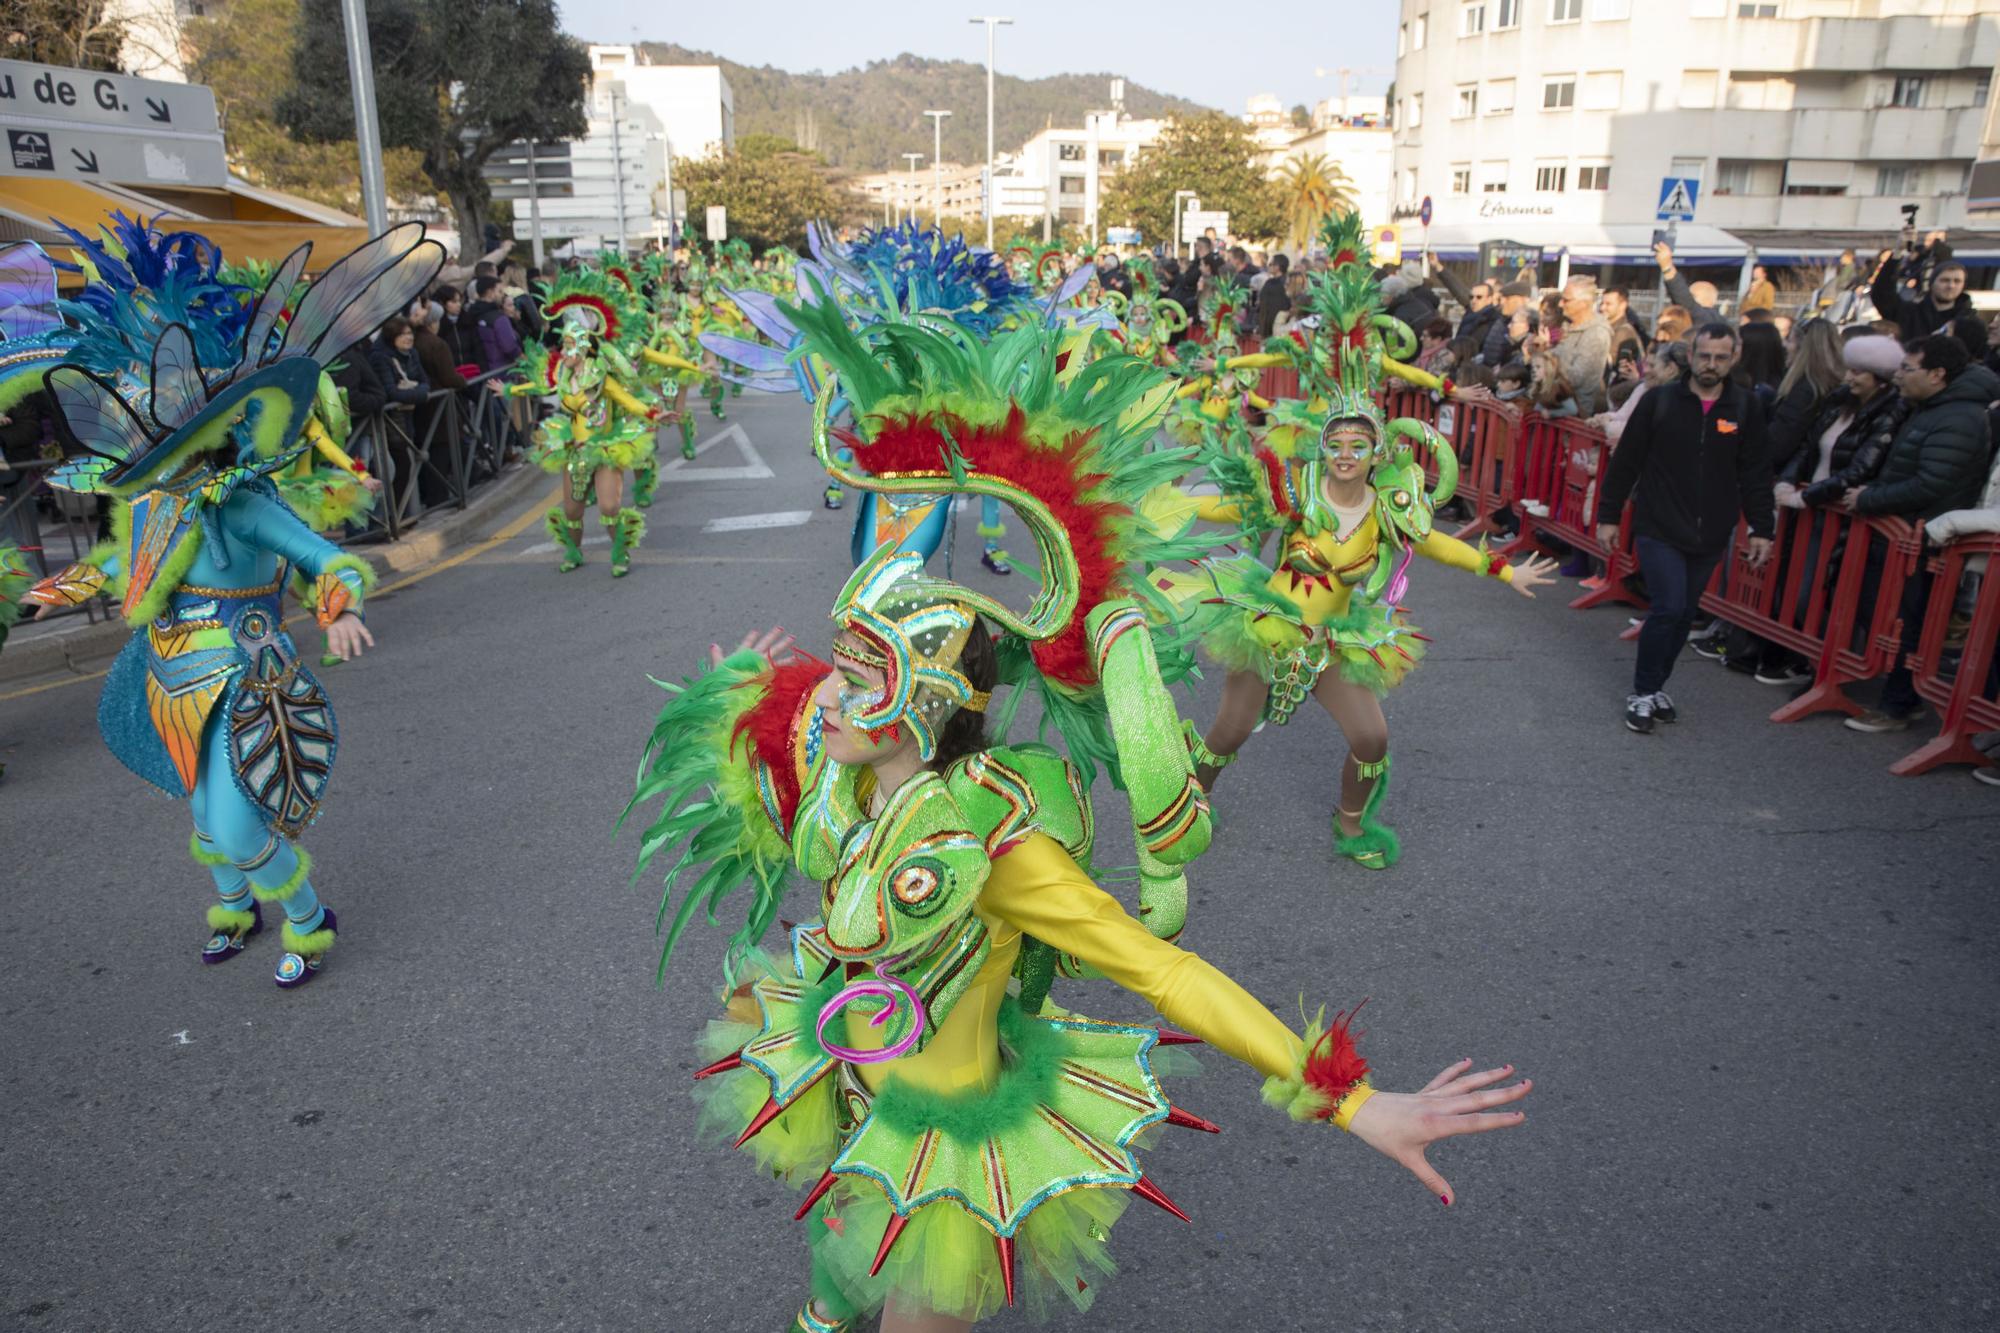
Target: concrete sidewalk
x,y
74,644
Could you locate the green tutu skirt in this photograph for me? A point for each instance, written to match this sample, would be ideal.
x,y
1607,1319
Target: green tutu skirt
x,y
1244,624
621,449
1034,1171
326,497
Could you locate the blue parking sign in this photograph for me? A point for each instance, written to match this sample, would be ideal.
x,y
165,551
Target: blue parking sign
x,y
1678,196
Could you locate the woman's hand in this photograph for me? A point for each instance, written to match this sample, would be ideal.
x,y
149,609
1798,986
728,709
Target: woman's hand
x,y
1532,573
1400,1125
346,636
373,485
774,643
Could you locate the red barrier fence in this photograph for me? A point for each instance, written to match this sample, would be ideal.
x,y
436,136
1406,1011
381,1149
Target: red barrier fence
x,y
1955,671
1558,465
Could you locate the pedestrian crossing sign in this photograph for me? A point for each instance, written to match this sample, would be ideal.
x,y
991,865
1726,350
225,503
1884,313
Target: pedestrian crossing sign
x,y
1678,195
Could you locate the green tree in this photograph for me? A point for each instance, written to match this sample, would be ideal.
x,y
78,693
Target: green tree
x,y
770,195
1313,185
1211,154
1301,118
243,50
455,80
77,34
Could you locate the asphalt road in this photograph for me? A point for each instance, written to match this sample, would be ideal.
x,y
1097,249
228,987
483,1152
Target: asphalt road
x,y
1752,974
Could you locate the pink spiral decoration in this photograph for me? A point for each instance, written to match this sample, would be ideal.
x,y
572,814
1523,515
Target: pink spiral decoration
x,y
1399,582
886,987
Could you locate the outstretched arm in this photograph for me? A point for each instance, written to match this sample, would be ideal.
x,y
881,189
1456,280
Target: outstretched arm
x,y
1039,890
1523,578
340,581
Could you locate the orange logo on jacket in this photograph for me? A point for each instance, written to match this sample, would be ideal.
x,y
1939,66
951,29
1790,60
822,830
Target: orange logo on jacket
x,y
1725,427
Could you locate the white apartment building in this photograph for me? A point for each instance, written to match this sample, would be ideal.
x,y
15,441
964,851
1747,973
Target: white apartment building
x,y
694,104
1060,174
1807,124
595,191
1349,131
953,188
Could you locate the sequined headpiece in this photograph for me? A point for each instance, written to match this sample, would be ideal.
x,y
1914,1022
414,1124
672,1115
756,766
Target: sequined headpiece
x,y
912,628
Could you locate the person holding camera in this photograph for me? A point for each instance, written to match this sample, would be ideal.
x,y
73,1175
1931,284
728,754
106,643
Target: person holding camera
x,y
1938,281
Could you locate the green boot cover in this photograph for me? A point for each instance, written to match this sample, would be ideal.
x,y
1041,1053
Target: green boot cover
x,y
1376,846
625,528
569,536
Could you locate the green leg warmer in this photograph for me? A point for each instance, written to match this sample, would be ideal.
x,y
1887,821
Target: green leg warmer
x,y
645,481
687,435
626,528
569,536
1376,846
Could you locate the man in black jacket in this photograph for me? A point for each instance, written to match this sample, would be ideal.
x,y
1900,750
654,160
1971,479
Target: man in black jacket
x,y
1934,310
1938,463
1482,310
1697,452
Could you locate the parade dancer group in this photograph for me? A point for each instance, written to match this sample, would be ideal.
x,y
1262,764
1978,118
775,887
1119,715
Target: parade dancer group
x,y
965,1138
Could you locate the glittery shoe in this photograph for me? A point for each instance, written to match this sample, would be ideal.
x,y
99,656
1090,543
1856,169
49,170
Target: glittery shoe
x,y
232,929
305,954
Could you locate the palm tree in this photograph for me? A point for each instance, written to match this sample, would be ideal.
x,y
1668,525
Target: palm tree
x,y
1313,186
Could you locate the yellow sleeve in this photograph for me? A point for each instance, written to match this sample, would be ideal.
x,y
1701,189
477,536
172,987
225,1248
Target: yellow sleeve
x,y
1258,361
1037,889
617,393
1451,551
1423,379
1218,509
671,360
1194,387
328,450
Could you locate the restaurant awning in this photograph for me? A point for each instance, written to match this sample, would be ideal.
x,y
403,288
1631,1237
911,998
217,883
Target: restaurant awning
x,y
1818,247
1586,242
275,224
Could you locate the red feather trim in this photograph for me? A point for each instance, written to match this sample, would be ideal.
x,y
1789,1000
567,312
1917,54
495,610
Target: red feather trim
x,y
1274,477
1344,257
1298,335
771,724
1334,1064
604,308
1054,476
1495,562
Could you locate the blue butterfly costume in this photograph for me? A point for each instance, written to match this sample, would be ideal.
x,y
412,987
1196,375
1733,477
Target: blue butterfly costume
x,y
209,700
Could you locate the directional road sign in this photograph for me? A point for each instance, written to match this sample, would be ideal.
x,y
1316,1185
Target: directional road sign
x,y
114,157
1195,221
1678,196
85,97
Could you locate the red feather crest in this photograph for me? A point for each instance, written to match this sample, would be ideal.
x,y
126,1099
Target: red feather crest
x,y
1334,1064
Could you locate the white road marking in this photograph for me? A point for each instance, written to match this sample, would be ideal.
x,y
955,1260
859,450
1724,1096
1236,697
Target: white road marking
x,y
790,518
543,548
183,1038
753,468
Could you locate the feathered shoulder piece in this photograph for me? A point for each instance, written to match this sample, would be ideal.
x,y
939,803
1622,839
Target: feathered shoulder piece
x,y
596,301
726,763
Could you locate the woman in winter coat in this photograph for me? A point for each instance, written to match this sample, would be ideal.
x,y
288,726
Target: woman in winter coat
x,y
1851,432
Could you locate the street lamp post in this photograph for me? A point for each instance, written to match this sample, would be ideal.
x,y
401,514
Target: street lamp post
x,y
368,130
617,171
937,166
1178,196
913,159
986,194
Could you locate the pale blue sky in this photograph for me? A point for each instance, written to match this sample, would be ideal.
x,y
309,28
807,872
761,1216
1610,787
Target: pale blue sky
x,y
1214,53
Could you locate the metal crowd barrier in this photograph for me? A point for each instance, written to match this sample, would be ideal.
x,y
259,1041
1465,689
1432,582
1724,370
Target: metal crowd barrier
x,y
464,438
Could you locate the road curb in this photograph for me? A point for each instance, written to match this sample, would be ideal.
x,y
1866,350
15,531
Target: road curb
x,y
82,647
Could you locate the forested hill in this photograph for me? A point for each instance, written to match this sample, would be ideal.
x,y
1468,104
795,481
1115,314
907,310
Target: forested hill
x,y
862,119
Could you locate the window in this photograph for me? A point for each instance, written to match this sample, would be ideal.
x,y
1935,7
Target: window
x,y
1764,11
1493,178
1419,32
1409,183
1069,152
1895,180
1472,20
1732,177
1110,158
1817,178
1070,184
1559,92
1815,190
1603,90
1461,178
1500,97
1909,91
1594,177
1565,11
1697,87
1403,40
1466,102
1982,89
1416,110
1550,177
1507,14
